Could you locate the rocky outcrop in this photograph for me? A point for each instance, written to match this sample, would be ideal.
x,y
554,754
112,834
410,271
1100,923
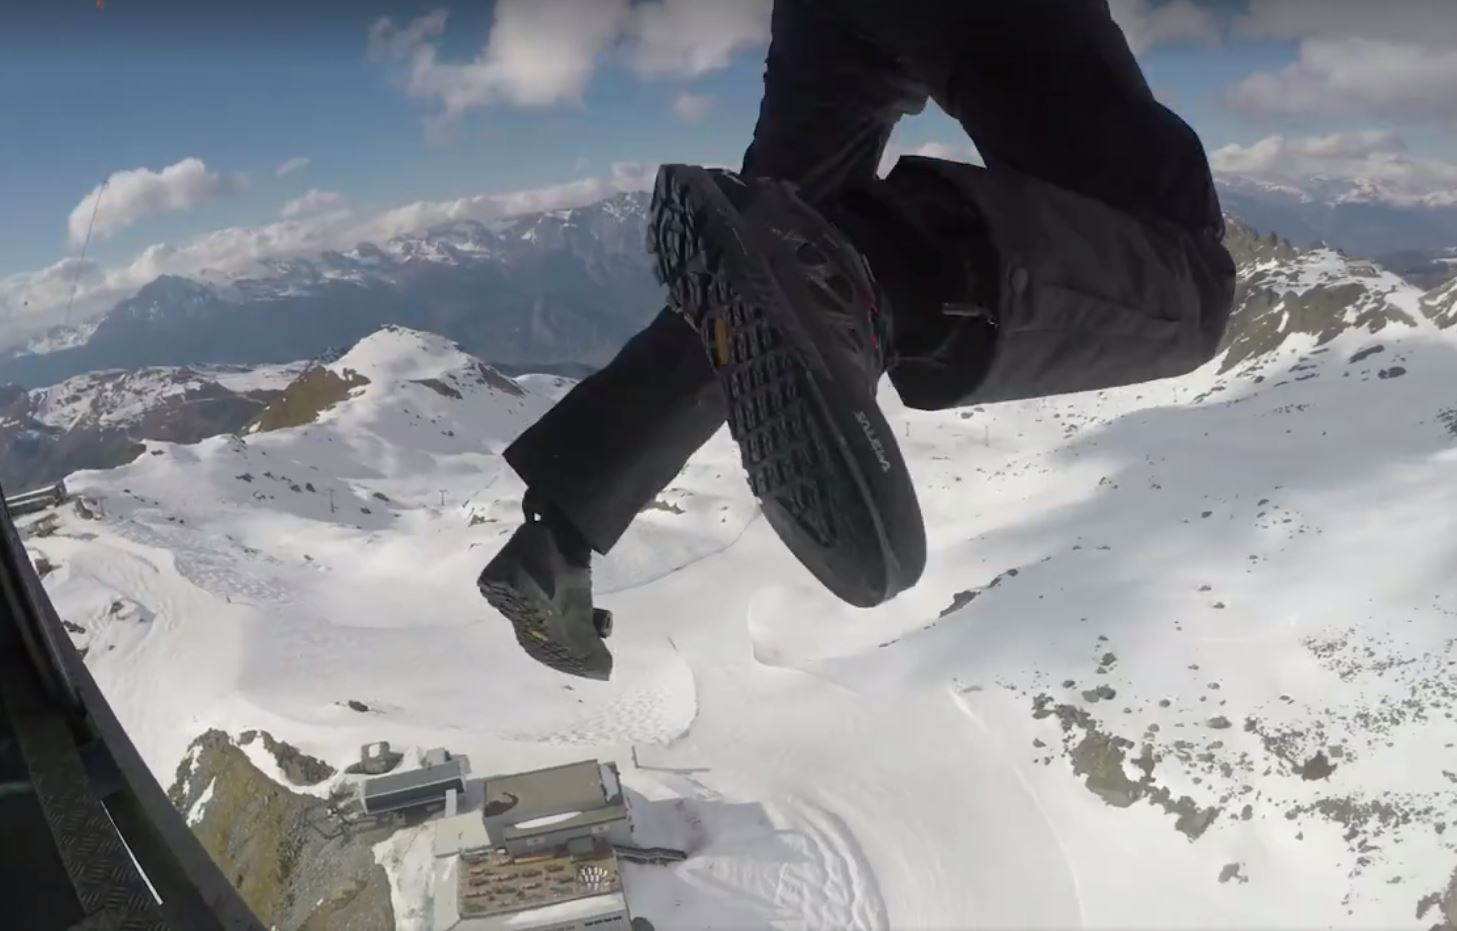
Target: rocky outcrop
x,y
294,862
1282,291
101,420
314,392
300,768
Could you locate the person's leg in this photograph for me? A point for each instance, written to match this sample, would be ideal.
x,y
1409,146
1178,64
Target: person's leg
x,y
620,436
606,449
1088,253
597,458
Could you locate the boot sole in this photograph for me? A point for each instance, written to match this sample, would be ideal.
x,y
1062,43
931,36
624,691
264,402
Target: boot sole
x,y
829,476
509,588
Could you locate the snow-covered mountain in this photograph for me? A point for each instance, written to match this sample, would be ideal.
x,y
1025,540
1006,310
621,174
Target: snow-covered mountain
x,y
99,419
1182,656
1356,215
1285,291
562,288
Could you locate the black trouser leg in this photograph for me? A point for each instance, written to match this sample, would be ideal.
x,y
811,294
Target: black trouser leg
x,y
1093,236
620,436
617,439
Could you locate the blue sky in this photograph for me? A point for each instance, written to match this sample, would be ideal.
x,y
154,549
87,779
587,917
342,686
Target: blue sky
x,y
243,87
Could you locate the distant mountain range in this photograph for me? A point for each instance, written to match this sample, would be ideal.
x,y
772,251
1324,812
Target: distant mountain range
x,y
557,291
99,419
1418,241
560,291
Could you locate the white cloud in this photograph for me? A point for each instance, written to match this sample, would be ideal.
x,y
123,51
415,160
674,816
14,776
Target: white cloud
x,y
691,108
386,40
1367,166
1417,21
1379,78
140,192
691,37
34,301
1146,24
543,53
539,53
288,167
1391,61
626,176
313,201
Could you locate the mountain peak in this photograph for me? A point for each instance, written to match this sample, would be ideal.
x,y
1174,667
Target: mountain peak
x,y
399,352
1284,291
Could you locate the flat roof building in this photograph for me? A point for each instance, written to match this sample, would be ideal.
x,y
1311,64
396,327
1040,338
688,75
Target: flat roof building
x,y
492,891
414,788
538,855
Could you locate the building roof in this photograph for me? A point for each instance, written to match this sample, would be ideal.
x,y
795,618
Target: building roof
x,y
444,775
572,787
551,916
580,819
493,885
464,832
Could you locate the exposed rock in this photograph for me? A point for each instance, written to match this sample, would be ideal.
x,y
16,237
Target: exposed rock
x,y
43,566
1446,904
300,768
357,906
658,504
439,387
1232,871
1317,767
315,391
294,864
1098,757
962,599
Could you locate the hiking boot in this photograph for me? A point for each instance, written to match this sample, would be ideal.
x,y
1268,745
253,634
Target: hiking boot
x,y
541,580
790,317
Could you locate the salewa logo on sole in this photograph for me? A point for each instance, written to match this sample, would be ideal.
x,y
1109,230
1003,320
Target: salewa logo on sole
x,y
875,443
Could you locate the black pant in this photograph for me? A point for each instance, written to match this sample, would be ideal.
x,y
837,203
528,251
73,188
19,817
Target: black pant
x,y
1086,254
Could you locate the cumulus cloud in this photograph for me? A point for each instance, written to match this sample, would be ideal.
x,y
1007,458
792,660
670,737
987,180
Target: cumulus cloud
x,y
1356,76
1417,21
1146,24
34,301
539,53
313,201
625,176
1366,166
691,108
543,53
31,302
691,37
289,166
1391,61
141,192
387,40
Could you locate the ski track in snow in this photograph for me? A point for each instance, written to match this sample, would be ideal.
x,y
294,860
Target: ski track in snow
x,y
1277,555
213,566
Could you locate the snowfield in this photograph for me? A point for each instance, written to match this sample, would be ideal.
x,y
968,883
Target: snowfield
x,y
1184,654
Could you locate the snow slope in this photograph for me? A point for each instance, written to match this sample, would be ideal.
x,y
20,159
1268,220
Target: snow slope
x,y
1183,654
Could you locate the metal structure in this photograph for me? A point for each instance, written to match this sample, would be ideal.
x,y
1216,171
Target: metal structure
x,y
38,500
415,788
90,839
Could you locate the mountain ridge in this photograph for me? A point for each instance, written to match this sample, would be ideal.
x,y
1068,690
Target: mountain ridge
x,y
561,288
